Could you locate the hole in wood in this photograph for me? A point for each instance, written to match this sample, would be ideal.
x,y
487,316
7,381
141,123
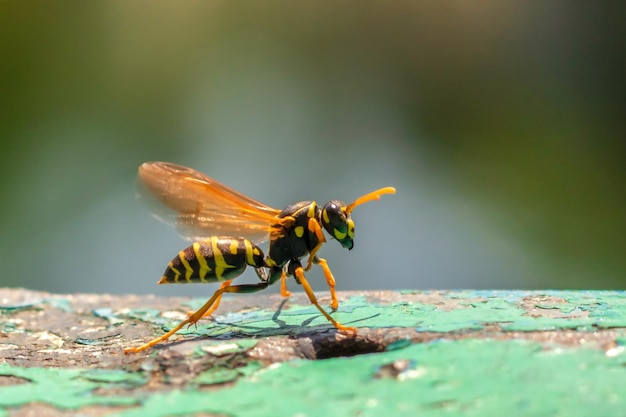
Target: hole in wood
x,y
350,346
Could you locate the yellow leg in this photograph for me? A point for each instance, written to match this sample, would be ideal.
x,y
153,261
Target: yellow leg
x,y
315,227
192,319
334,304
202,311
283,285
299,272
216,304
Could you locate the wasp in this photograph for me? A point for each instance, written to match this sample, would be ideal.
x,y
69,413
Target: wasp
x,y
226,228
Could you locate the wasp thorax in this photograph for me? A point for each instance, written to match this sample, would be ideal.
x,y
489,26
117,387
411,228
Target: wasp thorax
x,y
338,223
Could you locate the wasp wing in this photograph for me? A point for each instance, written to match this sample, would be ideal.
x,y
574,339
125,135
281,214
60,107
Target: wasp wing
x,y
200,207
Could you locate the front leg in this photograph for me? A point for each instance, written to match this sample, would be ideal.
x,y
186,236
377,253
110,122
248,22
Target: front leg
x,y
314,226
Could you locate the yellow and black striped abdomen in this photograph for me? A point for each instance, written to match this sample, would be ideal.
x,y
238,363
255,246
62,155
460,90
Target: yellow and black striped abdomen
x,y
213,260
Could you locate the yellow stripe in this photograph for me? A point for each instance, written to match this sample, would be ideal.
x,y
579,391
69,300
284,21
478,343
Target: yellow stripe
x,y
234,245
249,252
311,212
188,268
325,216
204,267
171,266
220,262
176,271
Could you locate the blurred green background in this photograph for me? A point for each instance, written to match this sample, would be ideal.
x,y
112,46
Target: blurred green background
x,y
501,124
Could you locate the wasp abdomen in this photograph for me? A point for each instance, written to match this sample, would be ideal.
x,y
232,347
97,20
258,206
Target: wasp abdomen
x,y
213,260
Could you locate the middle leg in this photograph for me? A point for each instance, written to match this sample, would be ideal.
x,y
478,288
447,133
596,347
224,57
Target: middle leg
x,y
330,279
283,285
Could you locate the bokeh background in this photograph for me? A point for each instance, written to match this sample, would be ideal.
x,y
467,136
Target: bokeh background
x,y
502,125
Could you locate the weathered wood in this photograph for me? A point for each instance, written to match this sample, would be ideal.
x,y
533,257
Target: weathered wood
x,y
434,352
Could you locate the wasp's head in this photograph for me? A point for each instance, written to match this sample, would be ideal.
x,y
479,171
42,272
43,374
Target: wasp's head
x,y
338,223
335,216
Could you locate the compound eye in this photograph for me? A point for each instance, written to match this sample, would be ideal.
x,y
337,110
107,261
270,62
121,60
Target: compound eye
x,y
334,219
340,227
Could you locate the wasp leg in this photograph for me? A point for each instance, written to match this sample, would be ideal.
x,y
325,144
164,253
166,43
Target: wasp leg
x,y
193,319
315,227
330,279
215,305
283,285
299,273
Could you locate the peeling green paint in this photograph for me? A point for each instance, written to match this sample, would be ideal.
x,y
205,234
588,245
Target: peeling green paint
x,y
219,348
115,376
576,310
62,388
108,314
8,327
19,306
56,302
472,376
62,304
220,375
94,342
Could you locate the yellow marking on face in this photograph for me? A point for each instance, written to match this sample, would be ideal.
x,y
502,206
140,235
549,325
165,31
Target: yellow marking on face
x,y
339,235
220,262
311,212
299,231
204,267
250,252
325,216
351,228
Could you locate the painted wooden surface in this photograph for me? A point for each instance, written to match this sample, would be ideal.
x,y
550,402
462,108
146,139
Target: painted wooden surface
x,y
482,353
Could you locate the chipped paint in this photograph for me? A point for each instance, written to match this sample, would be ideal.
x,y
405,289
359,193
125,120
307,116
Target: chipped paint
x,y
63,388
425,370
584,310
220,375
474,377
223,348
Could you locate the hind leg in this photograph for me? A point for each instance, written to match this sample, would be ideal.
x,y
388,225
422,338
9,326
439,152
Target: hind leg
x,y
215,305
207,307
